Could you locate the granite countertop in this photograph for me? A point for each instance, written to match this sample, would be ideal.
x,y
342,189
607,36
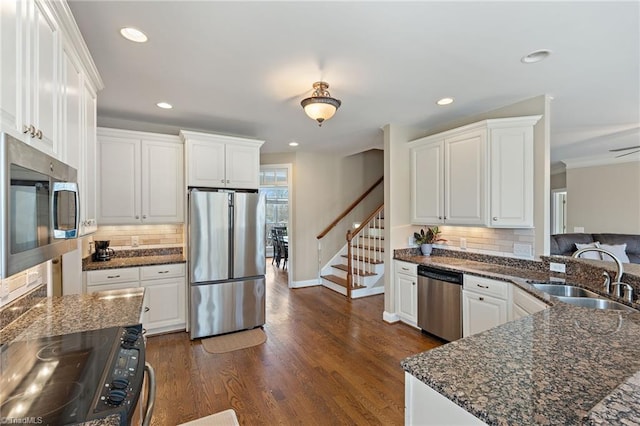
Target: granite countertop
x,y
563,365
132,258
74,313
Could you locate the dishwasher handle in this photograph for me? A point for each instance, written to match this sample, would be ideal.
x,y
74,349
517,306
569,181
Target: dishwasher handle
x,y
440,274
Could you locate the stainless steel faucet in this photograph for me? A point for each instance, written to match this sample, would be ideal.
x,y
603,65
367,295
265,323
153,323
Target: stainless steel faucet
x,y
619,272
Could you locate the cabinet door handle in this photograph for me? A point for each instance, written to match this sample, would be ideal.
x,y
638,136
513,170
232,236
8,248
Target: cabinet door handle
x,y
221,180
146,309
413,283
113,276
482,286
137,217
30,129
38,134
481,298
439,217
163,272
144,216
494,218
228,181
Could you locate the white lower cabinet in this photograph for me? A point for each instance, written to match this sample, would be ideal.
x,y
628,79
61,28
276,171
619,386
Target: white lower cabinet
x,y
484,304
525,304
164,297
406,279
164,306
425,406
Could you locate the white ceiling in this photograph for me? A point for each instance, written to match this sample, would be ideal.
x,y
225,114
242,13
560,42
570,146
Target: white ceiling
x,y
242,67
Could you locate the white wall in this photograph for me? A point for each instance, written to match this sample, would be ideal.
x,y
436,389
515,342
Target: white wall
x,y
604,198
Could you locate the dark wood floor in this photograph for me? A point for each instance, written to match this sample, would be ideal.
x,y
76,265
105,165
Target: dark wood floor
x,y
325,361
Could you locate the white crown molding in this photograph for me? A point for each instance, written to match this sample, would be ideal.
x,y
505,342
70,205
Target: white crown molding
x,y
600,160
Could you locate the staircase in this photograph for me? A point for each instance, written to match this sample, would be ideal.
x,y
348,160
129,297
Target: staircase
x,y
358,269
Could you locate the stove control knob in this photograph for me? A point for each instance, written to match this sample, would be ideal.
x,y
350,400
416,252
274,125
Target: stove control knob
x,y
116,396
119,383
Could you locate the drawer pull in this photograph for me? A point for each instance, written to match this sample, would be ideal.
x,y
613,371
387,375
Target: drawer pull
x,y
405,269
481,298
113,276
482,286
163,272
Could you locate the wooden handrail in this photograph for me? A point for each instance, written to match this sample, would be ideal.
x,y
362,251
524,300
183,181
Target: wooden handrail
x,y
351,234
348,209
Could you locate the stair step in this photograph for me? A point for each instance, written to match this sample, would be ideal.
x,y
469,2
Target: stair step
x,y
365,259
358,272
337,280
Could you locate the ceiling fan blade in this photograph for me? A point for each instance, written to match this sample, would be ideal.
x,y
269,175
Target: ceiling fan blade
x,y
628,153
624,149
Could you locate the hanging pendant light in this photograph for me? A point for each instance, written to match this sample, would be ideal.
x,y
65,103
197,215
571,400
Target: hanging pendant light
x,y
320,106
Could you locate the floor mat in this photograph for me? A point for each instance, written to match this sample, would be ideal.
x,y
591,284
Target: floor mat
x,y
234,341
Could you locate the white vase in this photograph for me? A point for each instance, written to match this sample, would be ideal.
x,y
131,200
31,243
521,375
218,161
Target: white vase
x,y
426,249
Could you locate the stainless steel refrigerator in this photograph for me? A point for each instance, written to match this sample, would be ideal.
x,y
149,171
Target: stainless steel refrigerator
x,y
226,257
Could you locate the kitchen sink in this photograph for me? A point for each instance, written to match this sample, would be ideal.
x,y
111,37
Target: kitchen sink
x,y
589,302
564,290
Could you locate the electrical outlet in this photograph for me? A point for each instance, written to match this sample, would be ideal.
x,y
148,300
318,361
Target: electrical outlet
x,y
578,229
134,241
4,288
521,249
557,267
463,243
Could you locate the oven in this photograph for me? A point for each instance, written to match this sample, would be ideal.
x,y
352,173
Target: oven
x,y
76,377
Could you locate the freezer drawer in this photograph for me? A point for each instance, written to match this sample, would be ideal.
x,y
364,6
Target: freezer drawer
x,y
226,307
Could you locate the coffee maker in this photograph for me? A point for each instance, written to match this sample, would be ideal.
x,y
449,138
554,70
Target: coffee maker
x,y
103,252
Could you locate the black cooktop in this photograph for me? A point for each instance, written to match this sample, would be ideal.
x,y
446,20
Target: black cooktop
x,y
66,379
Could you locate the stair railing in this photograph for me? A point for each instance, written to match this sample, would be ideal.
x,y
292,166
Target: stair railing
x,y
340,217
368,249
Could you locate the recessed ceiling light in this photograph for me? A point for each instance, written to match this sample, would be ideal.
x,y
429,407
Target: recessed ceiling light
x,y
293,144
133,34
536,56
164,105
445,101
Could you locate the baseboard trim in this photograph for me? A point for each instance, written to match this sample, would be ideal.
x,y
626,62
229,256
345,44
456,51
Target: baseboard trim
x,y
307,283
390,317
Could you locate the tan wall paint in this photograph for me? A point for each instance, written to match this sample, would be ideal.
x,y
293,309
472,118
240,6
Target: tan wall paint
x,y
604,198
323,186
558,181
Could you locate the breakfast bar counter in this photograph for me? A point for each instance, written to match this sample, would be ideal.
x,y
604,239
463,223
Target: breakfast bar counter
x,y
562,365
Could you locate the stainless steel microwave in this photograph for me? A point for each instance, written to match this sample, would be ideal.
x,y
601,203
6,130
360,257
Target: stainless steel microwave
x,y
39,206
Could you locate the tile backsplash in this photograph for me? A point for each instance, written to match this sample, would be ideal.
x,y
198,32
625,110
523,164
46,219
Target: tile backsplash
x,y
149,236
493,241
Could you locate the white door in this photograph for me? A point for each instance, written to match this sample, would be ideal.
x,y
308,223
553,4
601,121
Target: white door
x,y
407,297
242,166
11,83
480,312
465,180
162,182
427,183
89,166
511,159
205,164
118,180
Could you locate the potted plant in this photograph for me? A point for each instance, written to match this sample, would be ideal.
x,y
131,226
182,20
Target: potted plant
x,y
426,239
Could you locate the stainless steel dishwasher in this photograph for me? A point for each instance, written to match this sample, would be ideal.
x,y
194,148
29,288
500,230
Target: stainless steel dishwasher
x,y
440,302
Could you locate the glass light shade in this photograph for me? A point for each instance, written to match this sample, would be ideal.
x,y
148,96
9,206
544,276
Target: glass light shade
x,y
320,111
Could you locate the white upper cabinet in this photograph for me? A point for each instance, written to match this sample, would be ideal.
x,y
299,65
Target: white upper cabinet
x,y
465,179
30,80
479,175
448,179
140,178
218,161
511,173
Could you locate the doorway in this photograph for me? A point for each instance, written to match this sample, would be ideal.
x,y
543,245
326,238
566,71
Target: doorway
x,y
559,211
276,184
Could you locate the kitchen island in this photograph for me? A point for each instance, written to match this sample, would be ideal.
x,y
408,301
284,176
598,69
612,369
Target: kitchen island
x,y
563,365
